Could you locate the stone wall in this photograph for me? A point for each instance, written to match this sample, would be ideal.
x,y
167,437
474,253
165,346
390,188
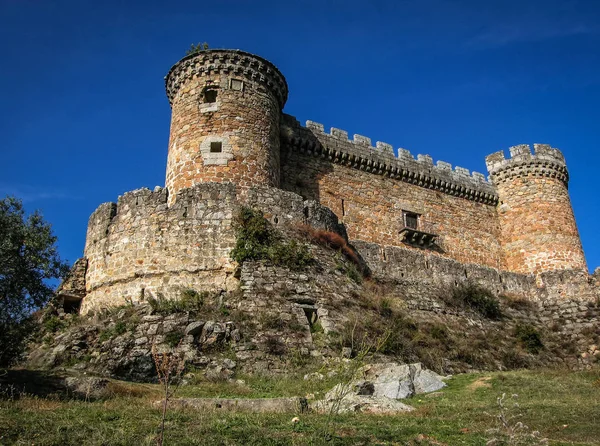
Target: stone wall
x,y
139,247
231,136
538,229
368,189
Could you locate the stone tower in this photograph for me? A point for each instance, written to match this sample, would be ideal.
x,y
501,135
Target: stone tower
x,y
538,230
226,107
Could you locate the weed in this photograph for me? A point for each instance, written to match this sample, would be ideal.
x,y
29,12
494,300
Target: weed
x,y
529,338
475,297
517,301
189,300
274,346
169,367
54,324
272,321
173,338
331,240
118,329
511,431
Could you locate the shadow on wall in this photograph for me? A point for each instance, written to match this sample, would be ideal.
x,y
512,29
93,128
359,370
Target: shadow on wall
x,y
296,176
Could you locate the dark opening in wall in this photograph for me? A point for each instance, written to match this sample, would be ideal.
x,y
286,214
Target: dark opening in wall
x,y
411,220
311,314
216,147
72,306
343,209
210,96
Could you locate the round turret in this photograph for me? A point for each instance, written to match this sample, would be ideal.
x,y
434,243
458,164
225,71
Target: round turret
x,y
539,233
226,107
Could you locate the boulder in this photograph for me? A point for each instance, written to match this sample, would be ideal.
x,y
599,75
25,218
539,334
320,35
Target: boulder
x,y
379,388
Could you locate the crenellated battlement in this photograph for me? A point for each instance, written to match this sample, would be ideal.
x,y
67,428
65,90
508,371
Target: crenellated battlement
x,y
380,159
545,161
230,62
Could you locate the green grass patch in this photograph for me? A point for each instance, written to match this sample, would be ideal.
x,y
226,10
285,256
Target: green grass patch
x,y
562,405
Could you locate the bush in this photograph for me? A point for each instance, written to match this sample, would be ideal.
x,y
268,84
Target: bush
x,y
517,302
274,346
331,240
173,338
189,300
529,338
477,298
257,240
54,324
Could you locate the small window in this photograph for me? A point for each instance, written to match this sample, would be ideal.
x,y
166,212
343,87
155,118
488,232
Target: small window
x,y
237,84
216,147
210,96
411,220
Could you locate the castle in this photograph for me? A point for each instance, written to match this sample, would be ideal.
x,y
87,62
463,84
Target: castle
x,y
230,145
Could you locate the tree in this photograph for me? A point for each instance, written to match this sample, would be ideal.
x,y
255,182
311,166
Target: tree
x,y
28,260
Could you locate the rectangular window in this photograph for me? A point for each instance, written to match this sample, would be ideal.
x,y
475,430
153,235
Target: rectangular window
x,y
210,96
216,147
411,220
237,84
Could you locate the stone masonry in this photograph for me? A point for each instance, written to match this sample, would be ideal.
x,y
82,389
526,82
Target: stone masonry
x,y
231,146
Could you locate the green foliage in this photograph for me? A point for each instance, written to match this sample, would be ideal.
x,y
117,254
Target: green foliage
x,y
529,338
274,346
257,240
350,270
28,259
457,415
477,298
272,321
53,324
189,300
196,48
118,329
173,338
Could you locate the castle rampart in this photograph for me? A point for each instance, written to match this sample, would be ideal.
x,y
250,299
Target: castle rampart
x,y
371,190
358,153
146,248
538,229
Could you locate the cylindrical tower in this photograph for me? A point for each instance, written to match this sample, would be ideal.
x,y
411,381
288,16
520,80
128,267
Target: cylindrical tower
x,y
538,227
226,106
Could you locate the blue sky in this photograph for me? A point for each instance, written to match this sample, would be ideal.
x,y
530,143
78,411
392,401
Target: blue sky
x,y
84,116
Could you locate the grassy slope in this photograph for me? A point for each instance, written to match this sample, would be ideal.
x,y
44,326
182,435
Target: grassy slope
x,y
460,415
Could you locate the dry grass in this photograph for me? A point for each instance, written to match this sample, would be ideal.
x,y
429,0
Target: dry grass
x,y
330,240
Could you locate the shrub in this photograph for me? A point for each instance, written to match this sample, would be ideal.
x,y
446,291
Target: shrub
x,y
257,240
272,321
331,240
173,338
54,324
516,301
274,346
189,300
529,338
196,48
477,298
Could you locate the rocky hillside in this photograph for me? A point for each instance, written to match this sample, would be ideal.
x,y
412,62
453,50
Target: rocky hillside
x,y
306,298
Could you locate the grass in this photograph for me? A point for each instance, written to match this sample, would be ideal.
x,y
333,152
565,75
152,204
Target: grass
x,y
560,404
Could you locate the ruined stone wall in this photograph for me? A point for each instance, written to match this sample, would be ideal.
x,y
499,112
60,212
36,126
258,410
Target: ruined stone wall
x,y
139,247
538,229
236,137
368,189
